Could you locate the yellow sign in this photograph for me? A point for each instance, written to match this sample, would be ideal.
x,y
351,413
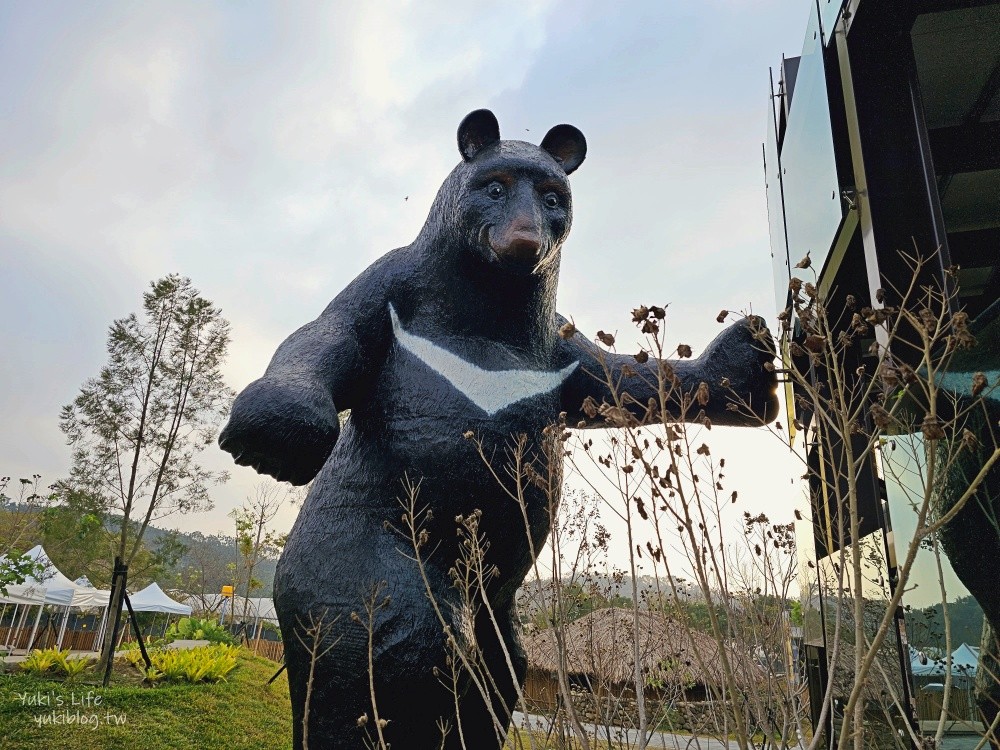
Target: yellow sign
x,y
227,590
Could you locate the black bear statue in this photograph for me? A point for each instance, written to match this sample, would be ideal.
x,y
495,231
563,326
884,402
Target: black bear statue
x,y
455,333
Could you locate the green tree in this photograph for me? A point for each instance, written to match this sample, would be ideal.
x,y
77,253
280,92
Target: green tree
x,y
17,528
204,569
73,530
137,428
255,541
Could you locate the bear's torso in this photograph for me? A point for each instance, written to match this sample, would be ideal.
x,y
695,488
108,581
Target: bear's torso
x,y
432,387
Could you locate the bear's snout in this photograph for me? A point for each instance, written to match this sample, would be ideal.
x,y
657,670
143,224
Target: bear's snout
x,y
520,242
522,246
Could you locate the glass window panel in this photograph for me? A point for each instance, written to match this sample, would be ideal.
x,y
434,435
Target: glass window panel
x,y
885,713
829,11
813,208
775,211
933,592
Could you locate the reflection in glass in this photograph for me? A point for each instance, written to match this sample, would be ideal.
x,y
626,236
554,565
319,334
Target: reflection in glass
x,y
775,210
829,12
809,172
882,696
944,622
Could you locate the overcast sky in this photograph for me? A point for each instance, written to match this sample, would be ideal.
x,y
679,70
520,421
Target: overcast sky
x,y
272,151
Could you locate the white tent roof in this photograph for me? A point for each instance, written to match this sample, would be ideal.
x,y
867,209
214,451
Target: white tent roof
x,y
24,593
152,599
261,607
30,592
55,589
965,658
59,589
964,661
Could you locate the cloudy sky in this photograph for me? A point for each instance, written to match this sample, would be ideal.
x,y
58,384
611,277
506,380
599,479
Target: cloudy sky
x,y
272,151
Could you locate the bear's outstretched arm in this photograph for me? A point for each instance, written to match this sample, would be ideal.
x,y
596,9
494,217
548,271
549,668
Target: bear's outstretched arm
x,y
735,355
285,424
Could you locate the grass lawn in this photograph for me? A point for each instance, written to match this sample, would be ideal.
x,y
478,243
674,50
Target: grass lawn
x,y
244,712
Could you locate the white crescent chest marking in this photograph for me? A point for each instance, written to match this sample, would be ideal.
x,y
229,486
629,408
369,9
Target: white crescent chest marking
x,y
490,390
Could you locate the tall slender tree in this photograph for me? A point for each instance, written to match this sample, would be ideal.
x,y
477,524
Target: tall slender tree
x,y
138,428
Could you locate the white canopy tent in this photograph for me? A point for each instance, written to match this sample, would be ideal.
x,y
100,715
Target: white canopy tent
x,y
54,587
256,609
964,661
59,591
30,593
20,593
152,599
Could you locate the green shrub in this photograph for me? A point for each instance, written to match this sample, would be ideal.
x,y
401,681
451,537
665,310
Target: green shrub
x,y
205,664
194,628
73,668
151,675
41,661
133,655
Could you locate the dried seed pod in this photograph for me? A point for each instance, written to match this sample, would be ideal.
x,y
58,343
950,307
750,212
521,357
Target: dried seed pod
x,y
979,382
880,417
815,343
969,439
932,428
701,395
888,374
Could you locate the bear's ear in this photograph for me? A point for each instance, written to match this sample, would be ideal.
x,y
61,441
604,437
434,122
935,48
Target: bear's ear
x,y
567,146
478,130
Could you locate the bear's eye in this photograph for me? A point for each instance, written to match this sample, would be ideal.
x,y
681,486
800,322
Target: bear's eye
x,y
551,200
495,190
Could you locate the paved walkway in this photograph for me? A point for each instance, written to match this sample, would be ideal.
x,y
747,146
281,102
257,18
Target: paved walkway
x,y
629,738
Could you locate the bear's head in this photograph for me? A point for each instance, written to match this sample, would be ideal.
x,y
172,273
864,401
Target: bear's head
x,y
510,201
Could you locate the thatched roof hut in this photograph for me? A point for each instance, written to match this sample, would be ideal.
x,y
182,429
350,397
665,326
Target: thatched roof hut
x,y
601,646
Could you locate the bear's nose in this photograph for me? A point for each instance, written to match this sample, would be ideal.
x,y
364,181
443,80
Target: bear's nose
x,y
520,241
522,245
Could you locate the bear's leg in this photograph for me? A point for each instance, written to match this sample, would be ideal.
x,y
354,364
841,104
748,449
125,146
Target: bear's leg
x,y
499,653
333,687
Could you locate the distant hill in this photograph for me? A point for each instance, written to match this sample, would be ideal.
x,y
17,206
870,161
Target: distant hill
x,y
203,565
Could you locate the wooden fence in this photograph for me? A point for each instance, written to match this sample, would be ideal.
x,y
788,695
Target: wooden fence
x,y
77,640
273,650
83,640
